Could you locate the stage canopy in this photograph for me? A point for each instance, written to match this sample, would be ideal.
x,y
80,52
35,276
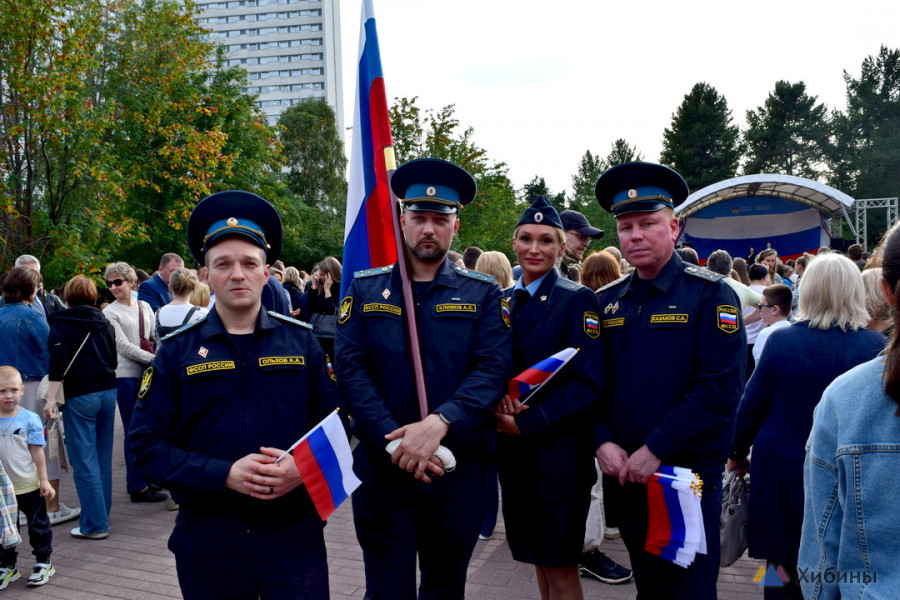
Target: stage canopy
x,y
790,213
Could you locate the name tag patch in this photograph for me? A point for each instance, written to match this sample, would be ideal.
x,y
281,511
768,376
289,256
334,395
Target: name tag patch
x,y
466,308
215,365
616,322
268,361
382,308
669,318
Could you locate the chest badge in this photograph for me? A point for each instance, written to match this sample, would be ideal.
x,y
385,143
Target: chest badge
x,y
202,352
611,308
543,298
386,293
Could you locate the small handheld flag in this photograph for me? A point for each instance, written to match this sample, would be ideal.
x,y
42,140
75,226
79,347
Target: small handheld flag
x,y
325,464
675,530
531,379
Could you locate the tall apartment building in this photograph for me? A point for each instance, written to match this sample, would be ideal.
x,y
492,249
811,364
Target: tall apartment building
x,y
291,49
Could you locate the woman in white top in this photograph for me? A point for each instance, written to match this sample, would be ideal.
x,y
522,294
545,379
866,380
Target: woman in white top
x,y
179,312
125,315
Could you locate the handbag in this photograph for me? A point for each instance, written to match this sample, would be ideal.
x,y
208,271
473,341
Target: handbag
x,y
324,326
146,344
45,380
734,522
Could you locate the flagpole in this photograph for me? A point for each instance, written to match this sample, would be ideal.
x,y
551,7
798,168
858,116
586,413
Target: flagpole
x,y
411,325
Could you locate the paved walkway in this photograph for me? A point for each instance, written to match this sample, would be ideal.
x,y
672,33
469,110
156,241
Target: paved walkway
x,y
134,563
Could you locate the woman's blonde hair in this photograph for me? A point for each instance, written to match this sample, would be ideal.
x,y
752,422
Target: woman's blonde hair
x,y
122,269
876,304
200,295
598,269
832,295
183,282
496,264
292,275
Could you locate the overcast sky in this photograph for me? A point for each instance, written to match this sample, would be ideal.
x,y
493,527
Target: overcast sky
x,y
541,82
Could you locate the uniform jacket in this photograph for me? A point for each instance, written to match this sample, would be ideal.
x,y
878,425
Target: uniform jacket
x,y
464,335
851,473
23,340
94,369
675,361
556,429
203,406
154,292
775,416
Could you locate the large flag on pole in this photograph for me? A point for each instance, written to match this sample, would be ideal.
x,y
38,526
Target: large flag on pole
x,y
368,232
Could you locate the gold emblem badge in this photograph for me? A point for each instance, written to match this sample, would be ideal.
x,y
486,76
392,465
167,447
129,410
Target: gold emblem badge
x,y
232,221
146,380
346,309
632,193
430,191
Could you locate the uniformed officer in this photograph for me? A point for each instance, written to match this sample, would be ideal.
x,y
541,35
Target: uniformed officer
x,y
407,505
675,350
545,450
223,396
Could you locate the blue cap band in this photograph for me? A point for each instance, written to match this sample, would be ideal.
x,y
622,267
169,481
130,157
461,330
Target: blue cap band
x,y
431,193
645,193
235,226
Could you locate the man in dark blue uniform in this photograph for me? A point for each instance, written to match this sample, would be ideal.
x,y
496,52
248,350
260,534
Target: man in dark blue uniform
x,y
223,396
675,349
408,505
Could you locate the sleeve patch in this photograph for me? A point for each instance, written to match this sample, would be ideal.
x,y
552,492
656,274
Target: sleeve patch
x,y
346,310
591,324
727,318
504,312
146,380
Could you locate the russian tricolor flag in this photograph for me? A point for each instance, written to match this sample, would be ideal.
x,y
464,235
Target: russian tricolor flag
x,y
531,379
325,464
675,529
369,231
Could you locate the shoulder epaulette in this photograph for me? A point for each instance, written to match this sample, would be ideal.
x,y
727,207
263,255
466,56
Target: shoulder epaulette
x,y
567,284
475,274
702,273
373,272
183,328
285,319
613,284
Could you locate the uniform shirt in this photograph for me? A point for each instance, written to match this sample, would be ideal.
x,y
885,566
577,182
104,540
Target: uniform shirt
x,y
675,350
211,398
17,433
464,333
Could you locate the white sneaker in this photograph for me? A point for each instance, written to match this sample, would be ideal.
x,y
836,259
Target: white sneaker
x,y
7,576
40,575
63,514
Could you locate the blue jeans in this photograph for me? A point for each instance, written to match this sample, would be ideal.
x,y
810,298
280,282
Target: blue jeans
x,y
126,391
89,421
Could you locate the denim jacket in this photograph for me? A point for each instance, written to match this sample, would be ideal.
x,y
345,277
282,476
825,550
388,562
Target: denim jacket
x,y
851,522
24,333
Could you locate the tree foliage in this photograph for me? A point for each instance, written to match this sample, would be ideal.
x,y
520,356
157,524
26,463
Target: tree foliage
x,y
487,222
116,119
702,144
538,187
789,134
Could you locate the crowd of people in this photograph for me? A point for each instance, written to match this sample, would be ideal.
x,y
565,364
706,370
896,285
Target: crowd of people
x,y
783,369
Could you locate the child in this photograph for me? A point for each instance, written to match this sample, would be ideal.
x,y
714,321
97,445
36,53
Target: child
x,y
776,310
22,453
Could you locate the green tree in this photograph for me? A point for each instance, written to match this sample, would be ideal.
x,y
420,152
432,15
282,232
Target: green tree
x,y
702,144
789,134
116,119
488,222
873,115
538,187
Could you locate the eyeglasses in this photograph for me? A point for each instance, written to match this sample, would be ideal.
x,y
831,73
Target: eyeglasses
x,y
114,283
761,306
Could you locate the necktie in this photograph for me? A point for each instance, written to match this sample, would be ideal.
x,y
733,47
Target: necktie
x,y
521,298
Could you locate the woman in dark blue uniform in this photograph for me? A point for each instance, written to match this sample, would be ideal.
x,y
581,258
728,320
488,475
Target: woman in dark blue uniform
x,y
545,450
